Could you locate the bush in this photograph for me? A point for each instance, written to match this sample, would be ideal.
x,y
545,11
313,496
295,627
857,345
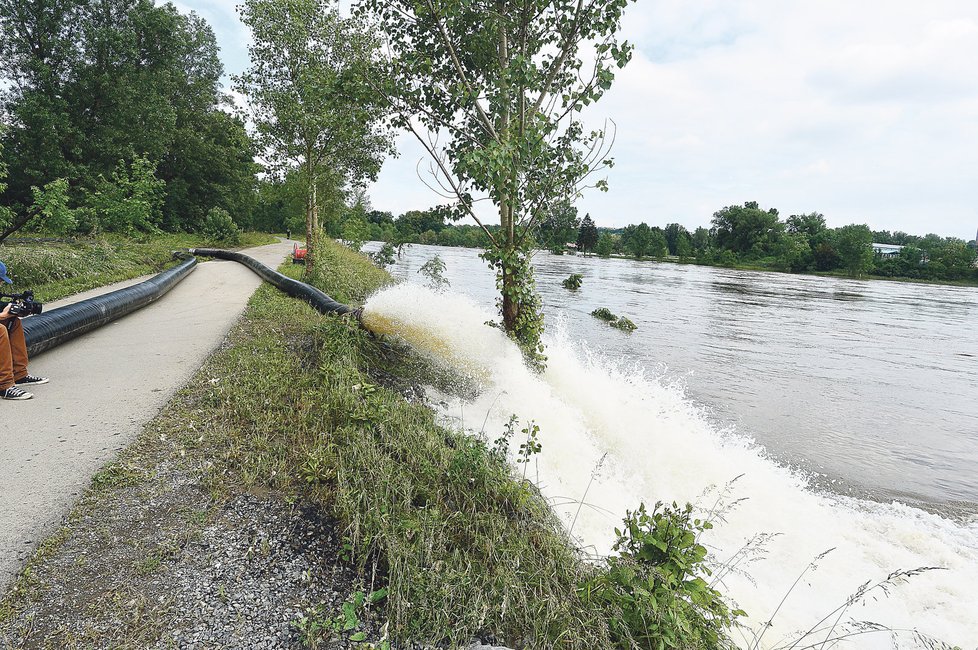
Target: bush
x,y
624,324
130,200
654,592
219,226
574,281
385,256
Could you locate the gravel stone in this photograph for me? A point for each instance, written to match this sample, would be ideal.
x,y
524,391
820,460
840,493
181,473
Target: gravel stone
x,y
162,565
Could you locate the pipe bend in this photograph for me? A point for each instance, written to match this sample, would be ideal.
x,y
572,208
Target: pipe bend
x,y
58,326
319,300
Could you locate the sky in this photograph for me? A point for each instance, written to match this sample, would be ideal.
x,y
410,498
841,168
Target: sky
x,y
866,112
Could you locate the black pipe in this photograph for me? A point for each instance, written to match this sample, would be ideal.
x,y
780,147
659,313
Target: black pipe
x,y
319,300
57,326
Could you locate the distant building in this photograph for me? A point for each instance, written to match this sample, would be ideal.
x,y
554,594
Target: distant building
x,y
887,250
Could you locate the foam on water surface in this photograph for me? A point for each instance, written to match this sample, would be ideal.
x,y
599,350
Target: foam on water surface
x,y
658,446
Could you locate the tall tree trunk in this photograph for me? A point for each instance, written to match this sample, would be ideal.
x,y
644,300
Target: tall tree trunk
x,y
311,216
511,279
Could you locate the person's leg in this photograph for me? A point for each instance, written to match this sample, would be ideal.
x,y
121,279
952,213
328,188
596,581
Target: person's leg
x,y
13,358
18,349
6,360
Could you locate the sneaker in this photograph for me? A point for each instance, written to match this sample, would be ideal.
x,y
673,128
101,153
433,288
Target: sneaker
x,y
31,380
15,393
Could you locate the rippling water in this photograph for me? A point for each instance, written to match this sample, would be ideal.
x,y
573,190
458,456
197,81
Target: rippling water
x,y
870,385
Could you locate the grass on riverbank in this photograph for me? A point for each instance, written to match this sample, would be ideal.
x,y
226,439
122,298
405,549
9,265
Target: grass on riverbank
x,y
57,269
311,406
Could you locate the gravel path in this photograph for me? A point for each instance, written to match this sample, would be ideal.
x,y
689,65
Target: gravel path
x,y
104,387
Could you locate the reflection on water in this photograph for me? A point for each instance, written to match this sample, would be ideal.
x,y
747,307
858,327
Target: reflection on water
x,y
871,385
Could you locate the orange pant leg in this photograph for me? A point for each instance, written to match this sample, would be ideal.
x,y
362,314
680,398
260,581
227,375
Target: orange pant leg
x,y
18,348
13,352
6,359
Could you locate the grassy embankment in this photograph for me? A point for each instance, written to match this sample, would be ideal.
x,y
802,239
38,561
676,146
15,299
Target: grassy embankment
x,y
464,547
54,270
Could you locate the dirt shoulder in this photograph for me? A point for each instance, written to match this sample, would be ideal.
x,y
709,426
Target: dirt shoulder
x,y
157,555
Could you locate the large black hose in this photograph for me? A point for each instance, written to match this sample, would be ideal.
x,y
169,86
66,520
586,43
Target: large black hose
x,y
57,326
319,300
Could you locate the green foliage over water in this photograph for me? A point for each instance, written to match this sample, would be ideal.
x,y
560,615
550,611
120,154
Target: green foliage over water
x,y
622,323
573,281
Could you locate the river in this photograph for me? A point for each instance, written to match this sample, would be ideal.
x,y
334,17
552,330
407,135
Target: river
x,y
844,411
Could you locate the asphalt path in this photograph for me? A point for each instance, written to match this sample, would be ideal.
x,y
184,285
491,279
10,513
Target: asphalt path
x,y
105,386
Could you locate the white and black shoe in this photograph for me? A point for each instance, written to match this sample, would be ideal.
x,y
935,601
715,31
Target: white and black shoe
x,y
15,393
31,380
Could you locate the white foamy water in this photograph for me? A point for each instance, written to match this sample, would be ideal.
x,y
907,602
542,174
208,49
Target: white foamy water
x,y
660,447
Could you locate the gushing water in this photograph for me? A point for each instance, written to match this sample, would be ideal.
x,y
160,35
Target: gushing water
x,y
657,445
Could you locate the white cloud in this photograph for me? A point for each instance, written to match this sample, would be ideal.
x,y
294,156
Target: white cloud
x,y
864,111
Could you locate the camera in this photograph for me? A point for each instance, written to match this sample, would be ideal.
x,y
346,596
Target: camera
x,y
21,304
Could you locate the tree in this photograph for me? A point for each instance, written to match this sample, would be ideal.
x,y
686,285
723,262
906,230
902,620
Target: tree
x,y
811,226
559,226
493,91
637,239
825,255
415,222
587,235
675,233
6,214
794,252
958,259
747,229
684,246
701,239
38,52
211,163
658,245
130,200
854,246
92,82
310,102
605,246
380,217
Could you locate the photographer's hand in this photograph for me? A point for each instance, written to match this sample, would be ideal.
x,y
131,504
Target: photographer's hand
x,y
5,314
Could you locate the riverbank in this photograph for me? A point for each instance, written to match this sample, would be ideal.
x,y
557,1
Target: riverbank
x,y
842,275
53,269
301,467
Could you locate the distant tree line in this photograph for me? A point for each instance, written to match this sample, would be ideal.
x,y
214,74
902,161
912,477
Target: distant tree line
x,y
113,120
740,235
751,236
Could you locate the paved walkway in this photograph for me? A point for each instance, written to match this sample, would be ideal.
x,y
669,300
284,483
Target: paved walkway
x,y
105,386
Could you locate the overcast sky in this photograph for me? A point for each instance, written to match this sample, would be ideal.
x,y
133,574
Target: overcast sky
x,y
864,111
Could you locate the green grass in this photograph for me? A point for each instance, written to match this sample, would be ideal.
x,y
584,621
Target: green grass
x,y
54,270
308,405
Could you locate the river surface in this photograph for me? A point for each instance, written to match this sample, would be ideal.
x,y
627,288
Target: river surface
x,y
828,426
871,385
